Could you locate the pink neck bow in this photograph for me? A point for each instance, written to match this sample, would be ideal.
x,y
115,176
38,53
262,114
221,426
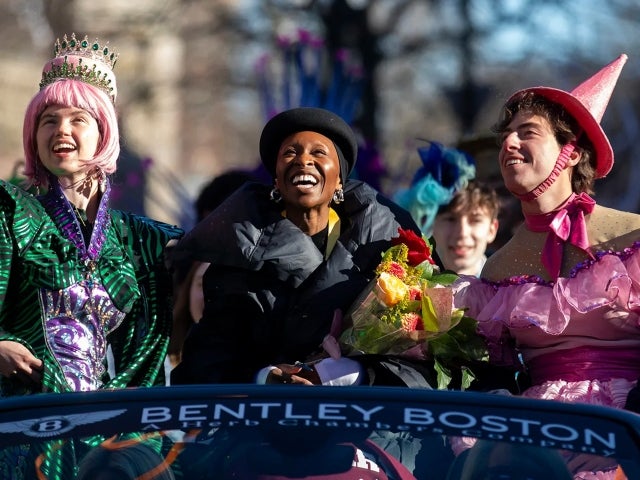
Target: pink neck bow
x,y
564,224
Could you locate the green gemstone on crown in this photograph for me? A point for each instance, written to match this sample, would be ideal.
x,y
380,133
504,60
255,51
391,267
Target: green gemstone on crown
x,y
93,75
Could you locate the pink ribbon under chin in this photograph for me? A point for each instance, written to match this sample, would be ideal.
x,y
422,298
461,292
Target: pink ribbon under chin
x,y
566,224
561,163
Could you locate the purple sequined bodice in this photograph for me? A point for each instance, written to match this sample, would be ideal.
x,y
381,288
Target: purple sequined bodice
x,y
77,320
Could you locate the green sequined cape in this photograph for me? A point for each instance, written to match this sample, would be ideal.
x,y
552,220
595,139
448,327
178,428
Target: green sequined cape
x,y
131,266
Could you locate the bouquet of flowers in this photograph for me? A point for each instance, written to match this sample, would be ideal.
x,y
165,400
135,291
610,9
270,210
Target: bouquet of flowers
x,y
408,310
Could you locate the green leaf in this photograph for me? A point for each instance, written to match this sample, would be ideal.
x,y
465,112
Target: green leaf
x,y
467,378
443,375
429,317
425,269
443,279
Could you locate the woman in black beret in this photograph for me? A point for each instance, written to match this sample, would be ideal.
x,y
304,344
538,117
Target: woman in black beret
x,y
286,258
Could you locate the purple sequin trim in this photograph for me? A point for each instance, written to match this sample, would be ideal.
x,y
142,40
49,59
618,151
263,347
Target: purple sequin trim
x,y
586,264
60,210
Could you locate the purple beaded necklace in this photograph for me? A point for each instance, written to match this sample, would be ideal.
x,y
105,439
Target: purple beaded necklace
x,y
62,213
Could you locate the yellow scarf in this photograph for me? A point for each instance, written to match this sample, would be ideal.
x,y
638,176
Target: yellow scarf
x,y
334,232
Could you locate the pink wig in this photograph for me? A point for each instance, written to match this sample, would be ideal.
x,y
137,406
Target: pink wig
x,y
71,93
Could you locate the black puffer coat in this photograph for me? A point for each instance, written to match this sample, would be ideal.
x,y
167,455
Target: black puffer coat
x,y
270,295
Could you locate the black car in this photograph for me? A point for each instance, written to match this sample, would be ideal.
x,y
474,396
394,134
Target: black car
x,y
290,431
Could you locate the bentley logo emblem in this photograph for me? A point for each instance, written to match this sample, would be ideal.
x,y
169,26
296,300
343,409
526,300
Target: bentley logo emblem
x,y
56,424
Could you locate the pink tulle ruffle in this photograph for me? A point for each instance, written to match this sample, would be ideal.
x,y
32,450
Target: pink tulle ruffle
x,y
612,282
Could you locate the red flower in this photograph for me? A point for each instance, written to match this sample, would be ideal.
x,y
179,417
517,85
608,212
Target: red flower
x,y
419,251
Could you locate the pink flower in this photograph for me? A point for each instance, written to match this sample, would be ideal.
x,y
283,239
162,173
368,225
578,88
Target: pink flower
x,y
412,321
395,269
415,293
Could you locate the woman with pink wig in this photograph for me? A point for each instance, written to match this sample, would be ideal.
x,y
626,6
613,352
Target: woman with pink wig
x,y
84,291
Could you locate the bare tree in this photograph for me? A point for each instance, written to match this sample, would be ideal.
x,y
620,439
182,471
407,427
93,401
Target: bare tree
x,y
434,69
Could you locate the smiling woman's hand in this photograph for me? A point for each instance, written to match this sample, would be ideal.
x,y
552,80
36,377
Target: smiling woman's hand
x,y
17,361
285,373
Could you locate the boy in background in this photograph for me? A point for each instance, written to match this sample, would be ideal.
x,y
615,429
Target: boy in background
x,y
464,227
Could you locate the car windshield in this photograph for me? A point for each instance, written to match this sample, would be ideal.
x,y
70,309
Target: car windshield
x,y
282,432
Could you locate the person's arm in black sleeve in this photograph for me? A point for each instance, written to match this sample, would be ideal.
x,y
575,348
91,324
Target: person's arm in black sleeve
x,y
216,349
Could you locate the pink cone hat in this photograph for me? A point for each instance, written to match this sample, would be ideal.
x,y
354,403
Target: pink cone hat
x,y
587,103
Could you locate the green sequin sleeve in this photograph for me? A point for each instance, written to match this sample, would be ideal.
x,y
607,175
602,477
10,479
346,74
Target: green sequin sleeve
x,y
140,345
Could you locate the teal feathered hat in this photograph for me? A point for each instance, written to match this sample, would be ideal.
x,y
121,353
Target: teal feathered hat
x,y
444,171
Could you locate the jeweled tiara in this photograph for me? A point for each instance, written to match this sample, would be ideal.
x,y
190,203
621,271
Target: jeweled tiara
x,y
82,60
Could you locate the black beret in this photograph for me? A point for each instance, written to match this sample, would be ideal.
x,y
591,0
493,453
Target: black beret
x,y
313,120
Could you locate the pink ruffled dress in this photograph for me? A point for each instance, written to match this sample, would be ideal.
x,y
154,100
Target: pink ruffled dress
x,y
578,336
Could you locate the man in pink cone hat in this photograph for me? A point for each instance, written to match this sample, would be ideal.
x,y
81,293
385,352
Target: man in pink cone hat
x,y
561,300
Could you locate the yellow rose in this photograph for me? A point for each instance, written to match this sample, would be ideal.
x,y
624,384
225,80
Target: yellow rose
x,y
391,289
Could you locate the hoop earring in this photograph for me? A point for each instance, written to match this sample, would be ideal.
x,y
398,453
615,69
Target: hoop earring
x,y
338,196
275,195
